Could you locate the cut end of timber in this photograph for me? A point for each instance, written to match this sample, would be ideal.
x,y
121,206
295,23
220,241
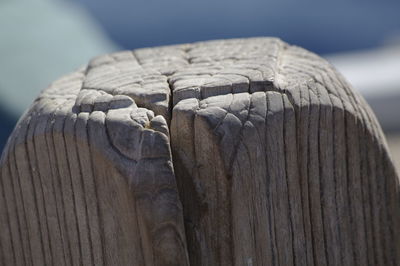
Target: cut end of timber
x,y
226,152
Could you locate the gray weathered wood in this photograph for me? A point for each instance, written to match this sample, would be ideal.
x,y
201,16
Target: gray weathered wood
x,y
229,152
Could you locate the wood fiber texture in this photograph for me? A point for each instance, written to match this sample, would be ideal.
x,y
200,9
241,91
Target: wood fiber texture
x,y
229,152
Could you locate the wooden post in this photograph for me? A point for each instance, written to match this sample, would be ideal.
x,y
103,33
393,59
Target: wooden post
x,y
229,152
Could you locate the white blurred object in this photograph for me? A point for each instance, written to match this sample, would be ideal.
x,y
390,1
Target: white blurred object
x,y
376,74
41,40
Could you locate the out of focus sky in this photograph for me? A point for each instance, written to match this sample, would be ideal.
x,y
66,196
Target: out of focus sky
x,y
41,40
321,26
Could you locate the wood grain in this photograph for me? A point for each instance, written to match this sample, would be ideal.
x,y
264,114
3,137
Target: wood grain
x,y
228,152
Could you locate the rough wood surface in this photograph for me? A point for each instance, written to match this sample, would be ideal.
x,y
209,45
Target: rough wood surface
x,y
230,152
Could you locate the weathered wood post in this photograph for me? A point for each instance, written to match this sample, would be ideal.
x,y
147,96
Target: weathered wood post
x,y
230,152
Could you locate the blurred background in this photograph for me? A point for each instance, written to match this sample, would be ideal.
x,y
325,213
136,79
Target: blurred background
x,y
40,40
